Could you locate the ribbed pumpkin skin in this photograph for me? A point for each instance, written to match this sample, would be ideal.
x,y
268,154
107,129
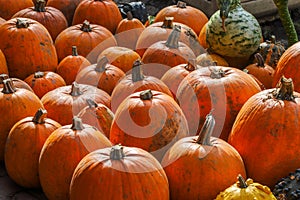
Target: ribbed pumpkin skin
x,y
26,140
23,50
52,18
9,8
137,176
266,134
103,12
235,41
61,153
288,65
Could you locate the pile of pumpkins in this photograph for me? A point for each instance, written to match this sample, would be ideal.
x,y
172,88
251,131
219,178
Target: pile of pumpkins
x,y
96,106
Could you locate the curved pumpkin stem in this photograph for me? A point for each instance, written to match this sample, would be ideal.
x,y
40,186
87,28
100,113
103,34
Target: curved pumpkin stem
x,y
168,22
77,124
40,6
260,60
216,73
146,95
91,103
285,90
39,74
181,4
75,90
86,27
206,131
3,77
137,74
241,182
102,62
173,39
21,23
74,51
191,66
39,117
8,86
129,15
117,153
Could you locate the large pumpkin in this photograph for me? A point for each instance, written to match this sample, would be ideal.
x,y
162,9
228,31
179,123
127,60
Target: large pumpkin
x,y
15,104
25,140
27,46
200,167
268,125
119,172
61,153
150,120
9,8
52,18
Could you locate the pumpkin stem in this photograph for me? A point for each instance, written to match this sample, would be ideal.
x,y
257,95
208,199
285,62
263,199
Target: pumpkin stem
x,y
8,86
260,60
77,124
181,4
216,73
146,95
3,77
206,131
21,23
285,90
116,152
75,90
40,6
173,39
39,74
168,22
101,63
137,74
39,117
91,103
74,51
129,15
241,182
191,65
86,27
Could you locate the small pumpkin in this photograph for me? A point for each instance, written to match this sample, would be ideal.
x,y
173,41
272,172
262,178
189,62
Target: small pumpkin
x,y
43,82
66,146
25,140
135,172
18,83
246,190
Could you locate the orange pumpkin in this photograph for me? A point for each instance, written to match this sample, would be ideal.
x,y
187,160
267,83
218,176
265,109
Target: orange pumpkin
x,y
221,89
18,83
137,174
102,75
62,152
3,65
205,165
25,140
184,14
202,36
50,17
134,82
150,120
128,31
27,46
65,102
15,104
120,57
69,67
211,59
97,115
103,12
90,40
9,8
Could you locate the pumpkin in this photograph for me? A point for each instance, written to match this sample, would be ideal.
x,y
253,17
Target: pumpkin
x,y
202,36
184,14
135,172
233,33
3,65
128,31
25,140
66,146
134,82
103,12
97,115
267,119
67,7
173,77
246,190
120,57
18,83
160,31
43,82
102,75
221,89
20,41
262,71
65,102
90,40
163,55
205,165
52,18
288,66
288,187
69,66
15,104
211,59
150,120
9,8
